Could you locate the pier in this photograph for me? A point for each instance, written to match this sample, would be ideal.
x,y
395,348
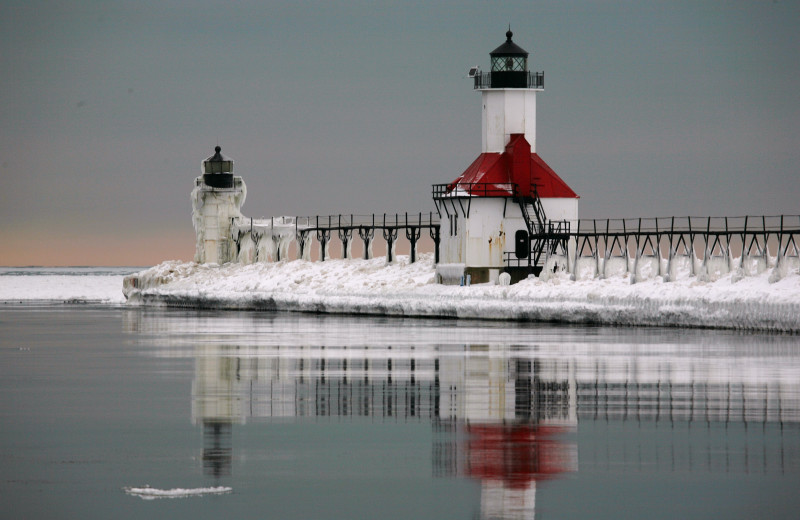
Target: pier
x,y
643,247
698,246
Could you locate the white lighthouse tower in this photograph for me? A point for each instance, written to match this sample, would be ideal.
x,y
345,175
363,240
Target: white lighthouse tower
x,y
217,199
509,210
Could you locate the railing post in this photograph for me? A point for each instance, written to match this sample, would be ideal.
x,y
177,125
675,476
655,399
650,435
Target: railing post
x,y
389,234
413,234
345,234
366,234
434,233
574,275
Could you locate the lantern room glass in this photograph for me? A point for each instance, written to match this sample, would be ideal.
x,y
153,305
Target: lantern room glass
x,y
509,63
218,166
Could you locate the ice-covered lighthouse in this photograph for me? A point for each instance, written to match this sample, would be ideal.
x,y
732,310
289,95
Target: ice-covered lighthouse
x,y
508,211
217,200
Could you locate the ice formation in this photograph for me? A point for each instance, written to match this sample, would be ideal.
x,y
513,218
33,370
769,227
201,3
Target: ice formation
x,y
769,300
148,493
207,208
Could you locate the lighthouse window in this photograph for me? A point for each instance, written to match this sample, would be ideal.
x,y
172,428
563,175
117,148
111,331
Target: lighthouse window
x,y
508,63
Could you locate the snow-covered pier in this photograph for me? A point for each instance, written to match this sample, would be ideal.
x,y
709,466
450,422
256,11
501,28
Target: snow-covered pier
x,y
507,219
670,247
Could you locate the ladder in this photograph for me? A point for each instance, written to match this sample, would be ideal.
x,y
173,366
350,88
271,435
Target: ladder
x,y
535,220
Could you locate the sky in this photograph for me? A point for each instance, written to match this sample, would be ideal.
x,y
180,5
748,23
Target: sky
x,y
650,109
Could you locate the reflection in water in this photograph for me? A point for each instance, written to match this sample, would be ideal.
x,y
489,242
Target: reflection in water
x,y
494,414
502,400
217,446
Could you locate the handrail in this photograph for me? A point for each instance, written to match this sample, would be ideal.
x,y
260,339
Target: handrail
x,y
374,221
475,189
694,225
483,80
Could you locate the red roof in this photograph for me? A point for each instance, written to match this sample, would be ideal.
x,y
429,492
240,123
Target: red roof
x,y
496,172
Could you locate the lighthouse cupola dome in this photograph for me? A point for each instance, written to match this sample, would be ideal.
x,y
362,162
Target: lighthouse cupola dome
x,y
218,170
509,65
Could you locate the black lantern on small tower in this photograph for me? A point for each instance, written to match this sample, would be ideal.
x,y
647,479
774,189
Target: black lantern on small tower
x,y
218,170
509,65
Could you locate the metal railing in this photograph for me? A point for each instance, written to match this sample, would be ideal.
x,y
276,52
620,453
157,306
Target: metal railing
x,y
374,221
475,189
694,225
558,228
483,80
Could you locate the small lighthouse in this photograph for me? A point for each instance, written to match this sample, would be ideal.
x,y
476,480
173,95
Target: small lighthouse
x,y
217,199
508,211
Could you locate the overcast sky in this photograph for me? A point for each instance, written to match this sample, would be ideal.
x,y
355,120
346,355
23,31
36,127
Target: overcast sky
x,y
108,108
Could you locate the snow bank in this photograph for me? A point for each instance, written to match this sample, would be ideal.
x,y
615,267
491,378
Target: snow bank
x,y
372,287
62,285
148,493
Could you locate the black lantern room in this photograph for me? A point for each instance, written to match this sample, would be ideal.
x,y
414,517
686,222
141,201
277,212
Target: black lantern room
x,y
509,65
218,170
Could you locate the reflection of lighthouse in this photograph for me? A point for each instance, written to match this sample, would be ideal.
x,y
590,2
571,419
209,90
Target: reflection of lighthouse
x,y
217,404
509,411
509,460
494,416
496,410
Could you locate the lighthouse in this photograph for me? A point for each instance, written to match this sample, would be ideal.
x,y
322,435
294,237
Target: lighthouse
x,y
217,200
508,211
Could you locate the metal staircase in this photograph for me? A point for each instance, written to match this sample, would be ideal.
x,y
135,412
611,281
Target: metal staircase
x,y
544,236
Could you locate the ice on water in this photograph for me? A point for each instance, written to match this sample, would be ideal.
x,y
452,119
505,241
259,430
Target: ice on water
x,y
149,493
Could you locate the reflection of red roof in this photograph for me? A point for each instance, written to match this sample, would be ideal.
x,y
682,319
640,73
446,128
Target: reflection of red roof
x,y
516,455
516,165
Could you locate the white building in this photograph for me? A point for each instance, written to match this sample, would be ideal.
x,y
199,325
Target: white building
x,y
217,200
509,209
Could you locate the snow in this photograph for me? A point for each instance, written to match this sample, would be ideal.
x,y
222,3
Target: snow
x,y
450,274
767,301
62,285
148,493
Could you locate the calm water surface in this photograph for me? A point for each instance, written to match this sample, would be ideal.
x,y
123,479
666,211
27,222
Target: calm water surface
x,y
339,417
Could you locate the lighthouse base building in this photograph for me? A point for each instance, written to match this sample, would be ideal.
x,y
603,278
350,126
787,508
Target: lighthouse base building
x,y
508,211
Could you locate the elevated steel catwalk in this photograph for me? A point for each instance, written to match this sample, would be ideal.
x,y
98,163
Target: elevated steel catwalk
x,y
765,240
366,226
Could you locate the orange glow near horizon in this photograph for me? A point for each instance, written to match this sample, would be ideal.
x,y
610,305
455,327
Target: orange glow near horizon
x,y
116,250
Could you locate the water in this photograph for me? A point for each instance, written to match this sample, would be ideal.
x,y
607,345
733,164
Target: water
x,y
306,416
